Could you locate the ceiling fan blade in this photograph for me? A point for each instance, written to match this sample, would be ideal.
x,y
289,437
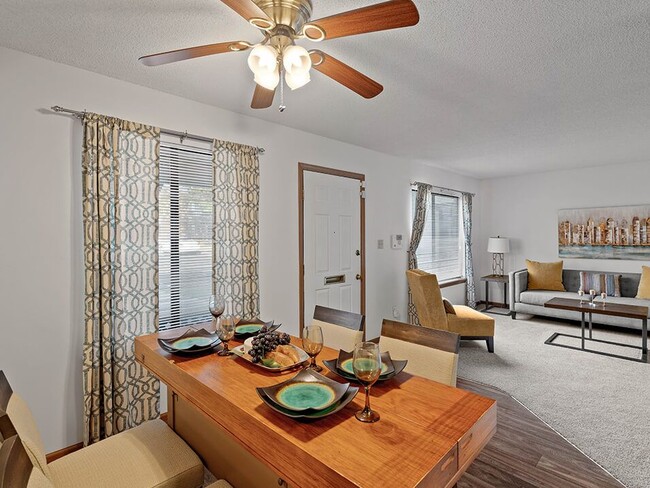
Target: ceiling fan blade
x,y
193,52
262,98
382,16
345,75
247,9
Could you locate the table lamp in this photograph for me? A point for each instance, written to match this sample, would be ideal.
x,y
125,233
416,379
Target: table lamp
x,y
498,246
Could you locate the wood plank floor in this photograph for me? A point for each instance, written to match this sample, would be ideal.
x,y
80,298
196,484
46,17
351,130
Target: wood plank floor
x,y
526,453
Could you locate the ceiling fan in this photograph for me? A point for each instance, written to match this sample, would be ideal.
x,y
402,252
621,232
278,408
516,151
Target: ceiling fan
x,y
282,22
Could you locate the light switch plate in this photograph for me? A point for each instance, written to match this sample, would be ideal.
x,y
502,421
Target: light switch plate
x,y
380,244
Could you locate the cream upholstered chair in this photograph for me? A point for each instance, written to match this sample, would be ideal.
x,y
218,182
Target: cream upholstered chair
x,y
430,353
147,456
341,330
433,312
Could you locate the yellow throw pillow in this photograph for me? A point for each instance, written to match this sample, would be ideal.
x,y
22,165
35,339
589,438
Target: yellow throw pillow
x,y
644,284
545,276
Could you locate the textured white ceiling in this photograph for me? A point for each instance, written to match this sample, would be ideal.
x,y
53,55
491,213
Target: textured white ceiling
x,y
481,87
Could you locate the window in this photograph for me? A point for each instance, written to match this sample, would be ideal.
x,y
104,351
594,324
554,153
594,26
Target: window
x,y
185,234
441,249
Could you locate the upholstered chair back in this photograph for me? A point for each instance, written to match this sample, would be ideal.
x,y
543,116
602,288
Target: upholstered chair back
x,y
22,420
341,330
427,299
431,353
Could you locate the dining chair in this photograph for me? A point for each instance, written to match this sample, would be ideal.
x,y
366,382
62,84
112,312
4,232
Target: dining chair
x,y
147,456
431,353
437,313
341,330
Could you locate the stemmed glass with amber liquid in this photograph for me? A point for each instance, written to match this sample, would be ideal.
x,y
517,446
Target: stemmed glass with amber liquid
x,y
312,343
366,363
225,331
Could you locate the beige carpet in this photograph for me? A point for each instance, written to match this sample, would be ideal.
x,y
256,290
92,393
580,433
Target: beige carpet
x,y
600,404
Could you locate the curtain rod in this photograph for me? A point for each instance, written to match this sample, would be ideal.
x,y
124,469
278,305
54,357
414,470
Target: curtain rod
x,y
413,183
182,135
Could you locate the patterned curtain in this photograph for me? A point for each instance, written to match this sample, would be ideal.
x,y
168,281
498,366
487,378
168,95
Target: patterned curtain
x,y
120,222
236,227
419,219
469,263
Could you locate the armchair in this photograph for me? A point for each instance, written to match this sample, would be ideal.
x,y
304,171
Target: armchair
x,y
470,324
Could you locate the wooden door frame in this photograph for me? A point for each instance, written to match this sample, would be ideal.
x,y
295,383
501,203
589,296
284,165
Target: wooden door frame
x,y
302,168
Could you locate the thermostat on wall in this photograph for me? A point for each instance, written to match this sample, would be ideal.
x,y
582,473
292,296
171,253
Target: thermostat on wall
x,y
396,241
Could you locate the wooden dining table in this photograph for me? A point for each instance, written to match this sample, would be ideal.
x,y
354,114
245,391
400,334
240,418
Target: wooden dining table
x,y
428,435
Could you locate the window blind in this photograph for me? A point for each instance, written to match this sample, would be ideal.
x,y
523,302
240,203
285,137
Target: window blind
x,y
441,248
185,234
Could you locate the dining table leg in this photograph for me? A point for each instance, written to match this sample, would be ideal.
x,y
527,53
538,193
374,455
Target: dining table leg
x,y
582,330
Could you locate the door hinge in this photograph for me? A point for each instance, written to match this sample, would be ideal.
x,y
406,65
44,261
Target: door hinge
x,y
362,191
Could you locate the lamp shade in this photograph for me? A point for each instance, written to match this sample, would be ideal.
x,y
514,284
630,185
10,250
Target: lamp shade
x,y
263,62
297,64
498,245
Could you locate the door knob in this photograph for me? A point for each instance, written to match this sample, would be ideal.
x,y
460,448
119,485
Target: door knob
x,y
357,252
358,277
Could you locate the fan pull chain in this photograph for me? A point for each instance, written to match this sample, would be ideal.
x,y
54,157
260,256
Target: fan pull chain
x,y
282,106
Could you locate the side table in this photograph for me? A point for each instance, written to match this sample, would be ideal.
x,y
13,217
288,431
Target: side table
x,y
496,279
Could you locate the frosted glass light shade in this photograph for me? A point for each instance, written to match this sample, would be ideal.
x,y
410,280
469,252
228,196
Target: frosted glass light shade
x,y
500,245
268,80
297,80
263,62
297,63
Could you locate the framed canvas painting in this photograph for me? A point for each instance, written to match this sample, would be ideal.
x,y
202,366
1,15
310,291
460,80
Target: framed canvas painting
x,y
605,232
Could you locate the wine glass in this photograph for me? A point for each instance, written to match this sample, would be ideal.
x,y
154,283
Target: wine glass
x,y
592,294
603,297
581,294
366,363
225,331
217,306
312,343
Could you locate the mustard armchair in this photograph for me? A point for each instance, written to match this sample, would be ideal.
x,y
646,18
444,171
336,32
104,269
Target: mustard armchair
x,y
434,313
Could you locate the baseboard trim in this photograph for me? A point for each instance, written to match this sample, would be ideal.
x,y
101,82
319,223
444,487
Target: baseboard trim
x,y
53,456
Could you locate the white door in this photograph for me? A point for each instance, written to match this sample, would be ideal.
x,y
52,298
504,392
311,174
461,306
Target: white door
x,y
332,240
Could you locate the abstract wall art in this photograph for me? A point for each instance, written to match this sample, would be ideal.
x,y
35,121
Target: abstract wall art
x,y
605,232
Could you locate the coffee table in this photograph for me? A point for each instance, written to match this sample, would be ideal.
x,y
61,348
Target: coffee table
x,y
614,309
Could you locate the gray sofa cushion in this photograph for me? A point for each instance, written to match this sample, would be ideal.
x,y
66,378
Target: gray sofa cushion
x,y
540,297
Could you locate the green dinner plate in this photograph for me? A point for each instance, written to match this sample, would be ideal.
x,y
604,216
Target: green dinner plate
x,y
187,342
301,396
307,391
248,328
346,366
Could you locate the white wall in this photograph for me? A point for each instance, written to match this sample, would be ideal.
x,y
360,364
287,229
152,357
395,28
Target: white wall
x,y
524,208
41,267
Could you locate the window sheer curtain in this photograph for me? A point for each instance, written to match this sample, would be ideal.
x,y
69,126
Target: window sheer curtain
x,y
419,220
470,291
236,227
120,223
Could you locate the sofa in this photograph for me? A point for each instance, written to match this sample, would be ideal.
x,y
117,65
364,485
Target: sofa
x,y
532,302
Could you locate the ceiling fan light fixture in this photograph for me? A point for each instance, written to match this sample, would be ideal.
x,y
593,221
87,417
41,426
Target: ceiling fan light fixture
x,y
297,63
268,80
263,62
297,80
